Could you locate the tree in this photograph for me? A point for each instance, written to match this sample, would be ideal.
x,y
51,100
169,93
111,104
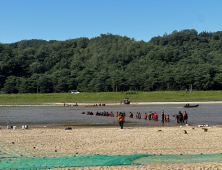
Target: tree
x,y
10,85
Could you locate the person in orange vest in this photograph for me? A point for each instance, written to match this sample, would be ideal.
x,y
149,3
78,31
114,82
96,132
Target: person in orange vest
x,y
137,115
116,114
131,115
145,116
185,117
176,117
162,116
121,120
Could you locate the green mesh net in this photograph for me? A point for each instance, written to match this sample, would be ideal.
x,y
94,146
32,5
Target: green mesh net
x,y
13,156
174,158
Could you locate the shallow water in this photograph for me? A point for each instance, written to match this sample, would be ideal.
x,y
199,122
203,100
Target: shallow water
x,y
210,114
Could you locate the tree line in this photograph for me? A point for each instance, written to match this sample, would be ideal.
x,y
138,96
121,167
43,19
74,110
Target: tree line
x,y
111,62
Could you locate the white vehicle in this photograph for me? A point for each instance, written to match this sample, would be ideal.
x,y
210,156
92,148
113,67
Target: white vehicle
x,y
74,92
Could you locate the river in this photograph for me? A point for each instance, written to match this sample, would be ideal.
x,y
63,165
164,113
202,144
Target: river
x,y
210,114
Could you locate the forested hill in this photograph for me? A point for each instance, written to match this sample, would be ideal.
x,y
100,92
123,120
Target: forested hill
x,y
110,62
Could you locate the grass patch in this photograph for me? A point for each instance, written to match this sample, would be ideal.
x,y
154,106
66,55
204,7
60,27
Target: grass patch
x,y
109,97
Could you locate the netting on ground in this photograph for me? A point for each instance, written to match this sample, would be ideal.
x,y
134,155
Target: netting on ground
x,y
179,158
13,156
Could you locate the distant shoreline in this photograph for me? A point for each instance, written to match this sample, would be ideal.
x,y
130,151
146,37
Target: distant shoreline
x,y
110,104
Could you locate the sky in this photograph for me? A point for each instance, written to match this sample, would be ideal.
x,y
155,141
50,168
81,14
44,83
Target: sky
x,y
139,19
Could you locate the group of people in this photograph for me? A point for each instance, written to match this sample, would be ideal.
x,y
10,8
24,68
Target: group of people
x,y
138,115
164,117
149,116
100,113
181,118
153,116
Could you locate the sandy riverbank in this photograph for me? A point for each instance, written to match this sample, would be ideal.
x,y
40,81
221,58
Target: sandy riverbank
x,y
113,140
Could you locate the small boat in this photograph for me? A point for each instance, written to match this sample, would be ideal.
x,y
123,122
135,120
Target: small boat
x,y
190,105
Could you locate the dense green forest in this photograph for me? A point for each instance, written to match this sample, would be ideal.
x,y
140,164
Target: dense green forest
x,y
112,62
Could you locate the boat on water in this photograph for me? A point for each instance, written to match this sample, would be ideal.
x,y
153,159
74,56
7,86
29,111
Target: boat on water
x,y
190,105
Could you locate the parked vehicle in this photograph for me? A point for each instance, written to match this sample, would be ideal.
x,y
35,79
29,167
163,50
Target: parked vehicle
x,y
74,92
126,101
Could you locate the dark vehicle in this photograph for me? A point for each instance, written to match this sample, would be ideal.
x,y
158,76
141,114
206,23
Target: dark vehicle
x,y
126,101
190,105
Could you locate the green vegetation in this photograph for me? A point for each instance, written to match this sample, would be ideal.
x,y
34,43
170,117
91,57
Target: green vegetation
x,y
110,63
109,97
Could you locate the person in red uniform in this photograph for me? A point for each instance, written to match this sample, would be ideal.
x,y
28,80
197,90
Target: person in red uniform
x,y
145,116
155,116
167,118
121,120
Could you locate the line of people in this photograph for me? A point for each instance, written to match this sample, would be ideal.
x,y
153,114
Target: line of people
x,y
99,113
180,118
154,116
150,116
104,114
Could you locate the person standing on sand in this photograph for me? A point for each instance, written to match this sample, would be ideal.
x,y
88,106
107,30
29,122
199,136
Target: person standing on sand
x,y
121,120
162,116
